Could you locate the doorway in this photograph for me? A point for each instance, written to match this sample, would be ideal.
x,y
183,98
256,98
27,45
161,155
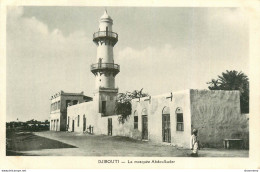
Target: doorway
x,y
72,126
166,128
110,127
144,127
57,125
84,123
53,126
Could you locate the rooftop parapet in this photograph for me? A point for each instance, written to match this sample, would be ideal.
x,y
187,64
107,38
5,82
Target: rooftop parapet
x,y
62,93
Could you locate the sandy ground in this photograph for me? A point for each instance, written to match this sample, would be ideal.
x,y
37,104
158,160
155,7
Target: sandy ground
x,y
75,144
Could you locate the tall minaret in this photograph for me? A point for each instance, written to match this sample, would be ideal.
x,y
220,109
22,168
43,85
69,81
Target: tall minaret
x,y
105,69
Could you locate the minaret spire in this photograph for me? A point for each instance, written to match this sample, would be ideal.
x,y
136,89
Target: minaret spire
x,y
105,70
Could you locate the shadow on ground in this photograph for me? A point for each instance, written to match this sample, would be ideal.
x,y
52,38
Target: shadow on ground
x,y
27,141
48,143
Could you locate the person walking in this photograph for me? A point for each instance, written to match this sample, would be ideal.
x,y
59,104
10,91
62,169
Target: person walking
x,y
194,143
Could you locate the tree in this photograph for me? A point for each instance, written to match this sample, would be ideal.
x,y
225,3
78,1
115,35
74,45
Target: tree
x,y
233,80
123,103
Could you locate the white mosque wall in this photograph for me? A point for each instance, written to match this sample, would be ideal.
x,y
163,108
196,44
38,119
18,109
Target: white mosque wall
x,y
154,110
216,115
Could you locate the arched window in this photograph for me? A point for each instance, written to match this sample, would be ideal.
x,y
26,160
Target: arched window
x,y
144,111
75,102
135,120
179,117
67,103
166,110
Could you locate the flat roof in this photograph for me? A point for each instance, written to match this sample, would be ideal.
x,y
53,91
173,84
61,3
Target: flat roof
x,y
68,94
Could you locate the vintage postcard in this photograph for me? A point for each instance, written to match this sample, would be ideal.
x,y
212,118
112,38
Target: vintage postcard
x,y
130,85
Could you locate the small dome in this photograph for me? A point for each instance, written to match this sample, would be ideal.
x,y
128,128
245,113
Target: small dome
x,y
105,16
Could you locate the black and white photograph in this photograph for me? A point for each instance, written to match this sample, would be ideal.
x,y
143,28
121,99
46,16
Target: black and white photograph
x,y
128,81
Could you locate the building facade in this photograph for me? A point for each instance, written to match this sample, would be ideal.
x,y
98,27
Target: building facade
x,y
58,110
170,118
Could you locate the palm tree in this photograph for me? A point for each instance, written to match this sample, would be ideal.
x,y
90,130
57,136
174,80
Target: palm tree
x,y
233,80
214,83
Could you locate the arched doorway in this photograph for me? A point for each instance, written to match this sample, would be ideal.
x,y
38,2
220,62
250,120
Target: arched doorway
x,y
109,127
144,124
57,125
73,123
84,123
135,120
166,125
54,126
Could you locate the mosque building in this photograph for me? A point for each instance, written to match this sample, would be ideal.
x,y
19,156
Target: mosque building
x,y
167,118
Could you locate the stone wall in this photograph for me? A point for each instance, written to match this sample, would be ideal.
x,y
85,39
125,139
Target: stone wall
x,y
216,114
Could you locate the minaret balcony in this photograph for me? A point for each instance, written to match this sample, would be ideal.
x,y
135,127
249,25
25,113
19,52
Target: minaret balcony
x,y
101,35
105,66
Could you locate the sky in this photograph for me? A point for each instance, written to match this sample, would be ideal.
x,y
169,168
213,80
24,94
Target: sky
x,y
161,50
